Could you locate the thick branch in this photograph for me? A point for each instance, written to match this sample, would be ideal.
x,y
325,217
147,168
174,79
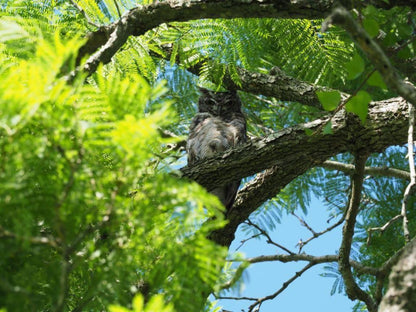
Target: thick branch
x,y
290,153
144,18
141,19
401,293
410,187
375,54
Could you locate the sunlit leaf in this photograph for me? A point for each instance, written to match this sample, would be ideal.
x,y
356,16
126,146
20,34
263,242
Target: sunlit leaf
x,y
329,100
355,67
358,104
376,80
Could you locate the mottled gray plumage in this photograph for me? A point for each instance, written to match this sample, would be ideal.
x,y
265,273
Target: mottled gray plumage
x,y
218,126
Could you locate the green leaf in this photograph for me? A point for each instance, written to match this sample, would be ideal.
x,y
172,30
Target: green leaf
x,y
355,67
359,105
371,26
404,30
327,128
138,303
114,308
329,100
405,53
309,132
376,80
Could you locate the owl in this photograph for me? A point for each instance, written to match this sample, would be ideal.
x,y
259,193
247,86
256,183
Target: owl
x,y
218,126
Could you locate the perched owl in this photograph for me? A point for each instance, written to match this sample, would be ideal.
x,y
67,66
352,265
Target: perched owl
x,y
218,126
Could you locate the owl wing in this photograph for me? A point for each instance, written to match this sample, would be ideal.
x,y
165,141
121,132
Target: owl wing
x,y
238,128
194,142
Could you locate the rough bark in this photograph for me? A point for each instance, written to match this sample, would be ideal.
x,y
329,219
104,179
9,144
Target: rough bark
x,y
401,293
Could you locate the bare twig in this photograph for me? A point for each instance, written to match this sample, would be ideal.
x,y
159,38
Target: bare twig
x,y
284,286
243,241
235,298
316,235
373,171
361,269
381,229
352,289
269,239
303,222
118,9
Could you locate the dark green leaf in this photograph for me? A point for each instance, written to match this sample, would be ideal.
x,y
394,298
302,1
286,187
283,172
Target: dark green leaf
x,y
405,53
371,26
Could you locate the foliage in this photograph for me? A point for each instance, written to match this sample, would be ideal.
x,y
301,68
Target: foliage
x,y
88,217
92,213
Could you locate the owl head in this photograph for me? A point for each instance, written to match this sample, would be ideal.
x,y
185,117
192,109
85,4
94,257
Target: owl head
x,y
219,104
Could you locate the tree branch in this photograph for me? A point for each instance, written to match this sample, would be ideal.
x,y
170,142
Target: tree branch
x,y
361,269
373,171
317,234
284,286
268,238
401,293
289,153
410,187
352,289
381,229
141,19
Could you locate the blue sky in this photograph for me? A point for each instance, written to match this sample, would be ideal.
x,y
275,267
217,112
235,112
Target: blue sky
x,y
310,292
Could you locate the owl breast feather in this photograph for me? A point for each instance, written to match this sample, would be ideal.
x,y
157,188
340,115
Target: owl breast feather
x,y
212,136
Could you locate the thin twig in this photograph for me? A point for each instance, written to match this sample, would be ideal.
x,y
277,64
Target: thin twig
x,y
284,286
118,9
269,240
381,229
235,298
243,241
316,235
373,171
358,267
303,222
344,101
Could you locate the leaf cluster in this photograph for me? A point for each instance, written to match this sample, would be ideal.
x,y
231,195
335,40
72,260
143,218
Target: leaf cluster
x,y
88,218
